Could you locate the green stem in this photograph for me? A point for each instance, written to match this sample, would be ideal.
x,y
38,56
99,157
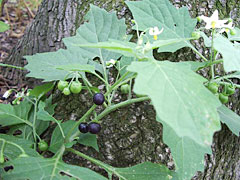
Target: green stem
x,y
211,63
34,122
107,167
212,56
67,139
198,53
119,105
12,66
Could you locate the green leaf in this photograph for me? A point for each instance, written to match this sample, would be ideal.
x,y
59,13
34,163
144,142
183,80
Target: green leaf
x,y
77,67
33,168
230,118
12,115
179,97
230,53
124,47
101,26
130,49
177,23
146,171
42,89
187,154
57,139
3,26
14,147
89,140
43,66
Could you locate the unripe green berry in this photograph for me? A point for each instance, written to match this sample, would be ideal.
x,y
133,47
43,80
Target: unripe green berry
x,y
233,32
62,85
75,87
66,91
196,35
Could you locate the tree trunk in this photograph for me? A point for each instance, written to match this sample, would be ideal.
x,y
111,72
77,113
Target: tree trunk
x,y
130,135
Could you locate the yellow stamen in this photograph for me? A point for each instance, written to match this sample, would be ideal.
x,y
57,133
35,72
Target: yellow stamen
x,y
155,37
213,24
226,30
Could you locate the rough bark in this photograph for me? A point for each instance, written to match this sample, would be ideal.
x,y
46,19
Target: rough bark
x,y
130,135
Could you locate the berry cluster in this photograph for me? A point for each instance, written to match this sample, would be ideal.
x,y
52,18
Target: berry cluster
x,y
228,90
75,87
93,127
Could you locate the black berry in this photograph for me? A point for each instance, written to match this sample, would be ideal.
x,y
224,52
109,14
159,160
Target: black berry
x,y
83,127
98,98
94,128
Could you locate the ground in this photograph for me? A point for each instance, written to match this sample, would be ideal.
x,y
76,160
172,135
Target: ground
x,y
17,14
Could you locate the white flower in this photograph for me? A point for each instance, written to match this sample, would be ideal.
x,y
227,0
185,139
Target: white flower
x,y
213,21
110,63
154,32
7,94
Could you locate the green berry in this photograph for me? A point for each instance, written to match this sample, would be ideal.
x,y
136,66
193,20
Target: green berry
x,y
213,87
76,87
196,35
42,145
66,91
62,85
230,90
233,32
223,98
125,88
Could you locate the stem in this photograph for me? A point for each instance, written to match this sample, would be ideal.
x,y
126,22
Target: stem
x,y
107,167
34,122
119,105
211,63
212,55
68,137
198,53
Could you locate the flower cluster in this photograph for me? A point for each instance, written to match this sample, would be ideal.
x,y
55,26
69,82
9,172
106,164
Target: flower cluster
x,y
214,23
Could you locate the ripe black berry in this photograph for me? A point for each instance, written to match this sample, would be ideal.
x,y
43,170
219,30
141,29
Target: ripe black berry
x,y
94,128
83,127
98,98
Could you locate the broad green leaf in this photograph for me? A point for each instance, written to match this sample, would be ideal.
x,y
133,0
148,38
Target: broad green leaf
x,y
101,26
43,66
89,140
3,26
187,154
230,118
131,49
77,67
42,89
177,23
124,47
179,97
230,53
57,139
235,37
13,147
12,115
34,168
146,171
